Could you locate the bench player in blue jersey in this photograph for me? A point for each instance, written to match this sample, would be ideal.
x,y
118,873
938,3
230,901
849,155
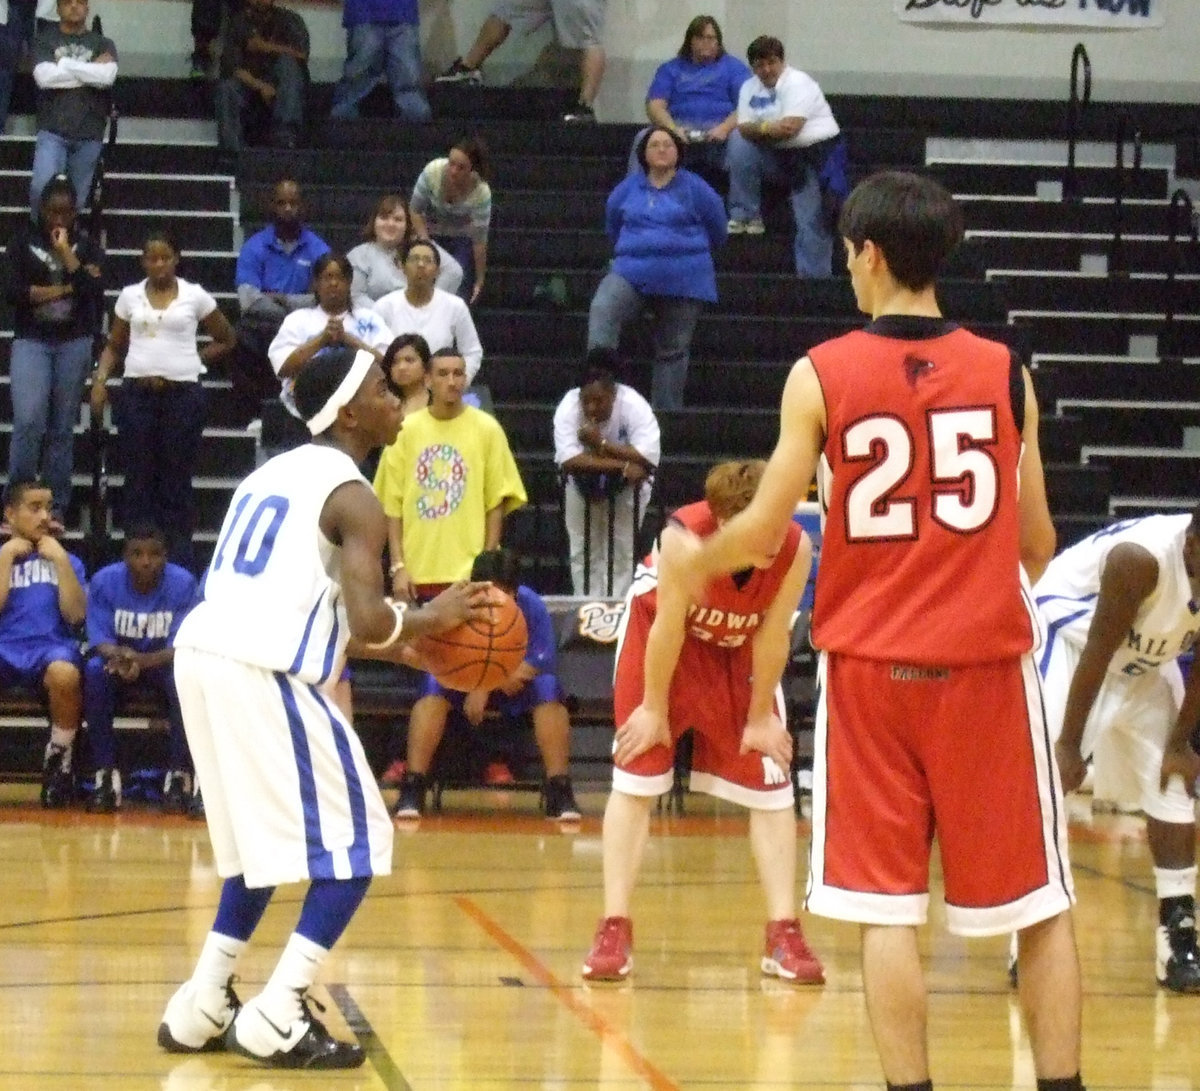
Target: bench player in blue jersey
x,y
42,598
296,583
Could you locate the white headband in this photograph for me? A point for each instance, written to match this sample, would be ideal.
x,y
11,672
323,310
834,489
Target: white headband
x,y
346,390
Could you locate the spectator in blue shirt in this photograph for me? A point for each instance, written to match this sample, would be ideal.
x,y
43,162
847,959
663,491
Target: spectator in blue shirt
x,y
41,600
664,222
382,39
695,95
532,688
274,278
134,608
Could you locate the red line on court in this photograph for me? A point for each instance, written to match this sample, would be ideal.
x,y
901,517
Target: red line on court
x,y
569,998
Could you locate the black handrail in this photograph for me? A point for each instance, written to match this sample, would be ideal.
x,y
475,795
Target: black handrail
x,y
1075,107
1116,254
1181,206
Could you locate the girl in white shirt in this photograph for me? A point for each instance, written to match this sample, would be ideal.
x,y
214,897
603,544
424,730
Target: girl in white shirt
x,y
160,407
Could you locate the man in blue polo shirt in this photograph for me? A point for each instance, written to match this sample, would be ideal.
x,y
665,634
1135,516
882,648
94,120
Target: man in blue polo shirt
x,y
133,612
274,278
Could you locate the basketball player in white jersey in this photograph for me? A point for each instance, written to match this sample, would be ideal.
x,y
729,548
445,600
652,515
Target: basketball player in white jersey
x,y
1119,608
296,581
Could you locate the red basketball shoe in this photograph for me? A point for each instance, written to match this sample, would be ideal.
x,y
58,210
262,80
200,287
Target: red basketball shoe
x,y
787,955
611,956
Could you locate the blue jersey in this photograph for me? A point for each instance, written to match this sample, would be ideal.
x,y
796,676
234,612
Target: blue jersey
x,y
31,614
542,650
118,614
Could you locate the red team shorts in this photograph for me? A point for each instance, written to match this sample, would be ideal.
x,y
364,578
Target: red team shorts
x,y
710,693
904,754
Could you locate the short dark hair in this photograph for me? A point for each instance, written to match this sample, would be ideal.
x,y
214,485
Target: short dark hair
x,y
161,234
320,377
502,566
332,257
412,244
146,531
697,26
600,365
476,151
58,186
15,490
645,139
446,352
764,48
911,218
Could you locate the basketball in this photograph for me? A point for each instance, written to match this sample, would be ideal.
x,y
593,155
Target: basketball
x,y
482,652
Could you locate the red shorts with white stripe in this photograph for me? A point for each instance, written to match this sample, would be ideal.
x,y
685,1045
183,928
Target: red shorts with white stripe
x,y
710,693
906,753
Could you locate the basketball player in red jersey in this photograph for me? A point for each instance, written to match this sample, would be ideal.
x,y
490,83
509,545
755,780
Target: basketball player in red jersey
x,y
929,717
711,662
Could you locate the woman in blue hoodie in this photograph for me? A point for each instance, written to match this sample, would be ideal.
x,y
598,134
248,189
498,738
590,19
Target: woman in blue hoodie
x,y
664,224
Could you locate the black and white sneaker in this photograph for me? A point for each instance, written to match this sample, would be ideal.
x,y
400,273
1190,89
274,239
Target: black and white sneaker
x,y
58,784
560,800
177,788
106,795
411,804
196,1024
303,1043
1178,961
459,73
195,806
580,114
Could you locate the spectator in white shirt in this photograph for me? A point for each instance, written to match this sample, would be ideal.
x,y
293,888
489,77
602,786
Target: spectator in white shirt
x,y
607,445
441,318
786,133
73,68
161,406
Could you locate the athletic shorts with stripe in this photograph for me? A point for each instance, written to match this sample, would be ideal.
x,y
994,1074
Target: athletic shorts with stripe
x,y
288,793
710,693
903,754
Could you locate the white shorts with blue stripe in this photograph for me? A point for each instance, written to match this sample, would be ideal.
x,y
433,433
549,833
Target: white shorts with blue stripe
x,y
288,793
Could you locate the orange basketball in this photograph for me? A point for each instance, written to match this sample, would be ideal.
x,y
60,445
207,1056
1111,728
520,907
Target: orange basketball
x,y
482,652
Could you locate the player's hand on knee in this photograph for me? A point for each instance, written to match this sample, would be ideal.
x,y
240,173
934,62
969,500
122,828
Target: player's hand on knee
x,y
1071,766
1183,762
768,736
641,732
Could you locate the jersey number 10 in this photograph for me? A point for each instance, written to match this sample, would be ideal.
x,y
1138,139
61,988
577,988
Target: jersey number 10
x,y
257,537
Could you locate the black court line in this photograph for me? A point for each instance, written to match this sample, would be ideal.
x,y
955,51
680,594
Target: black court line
x,y
381,1060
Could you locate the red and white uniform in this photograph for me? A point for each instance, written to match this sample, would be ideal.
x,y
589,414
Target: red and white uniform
x,y
929,718
710,689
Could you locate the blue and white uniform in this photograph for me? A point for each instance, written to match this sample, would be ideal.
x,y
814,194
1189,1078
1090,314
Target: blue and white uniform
x,y
287,789
1139,701
33,633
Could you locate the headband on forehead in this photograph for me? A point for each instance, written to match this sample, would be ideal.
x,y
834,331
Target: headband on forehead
x,y
346,390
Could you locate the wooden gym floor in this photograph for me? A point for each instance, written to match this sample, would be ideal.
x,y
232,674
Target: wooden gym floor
x,y
461,971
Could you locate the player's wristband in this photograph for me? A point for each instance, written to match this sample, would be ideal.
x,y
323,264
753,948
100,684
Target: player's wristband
x,y
398,609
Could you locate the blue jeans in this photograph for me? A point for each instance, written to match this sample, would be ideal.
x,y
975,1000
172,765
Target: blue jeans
x,y
54,154
47,380
102,693
749,164
234,99
674,321
158,437
376,49
463,250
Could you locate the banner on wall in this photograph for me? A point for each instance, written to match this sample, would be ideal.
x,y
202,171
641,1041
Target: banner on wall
x,y
1114,14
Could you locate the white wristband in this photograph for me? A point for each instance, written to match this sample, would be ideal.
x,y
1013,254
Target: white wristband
x,y
398,609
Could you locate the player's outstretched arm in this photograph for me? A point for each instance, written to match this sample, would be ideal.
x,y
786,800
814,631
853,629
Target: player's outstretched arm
x,y
1130,574
1037,529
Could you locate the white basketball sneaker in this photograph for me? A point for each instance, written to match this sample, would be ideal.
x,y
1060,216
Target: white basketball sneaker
x,y
302,1043
197,1024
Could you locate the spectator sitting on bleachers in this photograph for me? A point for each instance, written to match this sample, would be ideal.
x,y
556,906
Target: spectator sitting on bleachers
x,y
664,225
161,407
422,307
452,204
578,25
377,260
405,363
134,608
383,38
41,599
74,69
274,277
786,133
264,70
54,288
695,95
607,444
333,321
532,688
445,485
